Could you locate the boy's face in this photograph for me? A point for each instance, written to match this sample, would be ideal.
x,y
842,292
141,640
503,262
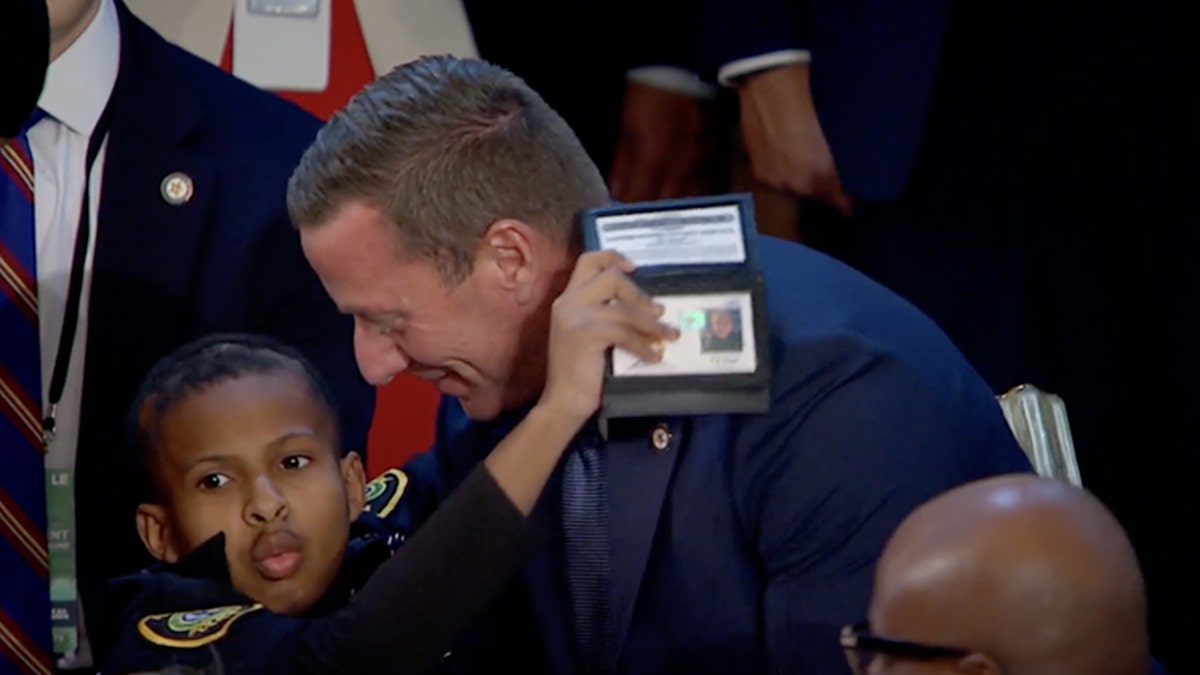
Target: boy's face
x,y
256,457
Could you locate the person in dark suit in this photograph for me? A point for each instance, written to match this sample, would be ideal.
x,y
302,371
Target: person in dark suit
x,y
723,543
1023,172
188,235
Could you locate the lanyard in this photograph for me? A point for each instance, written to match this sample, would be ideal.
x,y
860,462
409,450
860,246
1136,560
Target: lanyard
x,y
66,339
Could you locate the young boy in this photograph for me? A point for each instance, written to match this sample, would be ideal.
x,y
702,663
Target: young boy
x,y
265,529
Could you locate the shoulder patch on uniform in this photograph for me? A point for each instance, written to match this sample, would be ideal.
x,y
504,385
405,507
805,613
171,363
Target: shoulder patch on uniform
x,y
196,628
384,493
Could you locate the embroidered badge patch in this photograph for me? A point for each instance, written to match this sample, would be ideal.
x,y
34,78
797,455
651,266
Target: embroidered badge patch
x,y
192,629
384,493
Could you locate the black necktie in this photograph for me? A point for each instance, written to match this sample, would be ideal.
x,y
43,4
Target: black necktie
x,y
585,530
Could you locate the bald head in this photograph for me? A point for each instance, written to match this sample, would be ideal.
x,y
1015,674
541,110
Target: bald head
x,y
1033,573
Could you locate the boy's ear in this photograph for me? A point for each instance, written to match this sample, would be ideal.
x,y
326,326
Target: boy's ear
x,y
154,527
355,480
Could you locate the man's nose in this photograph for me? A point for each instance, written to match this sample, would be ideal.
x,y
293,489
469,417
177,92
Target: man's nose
x,y
266,503
380,357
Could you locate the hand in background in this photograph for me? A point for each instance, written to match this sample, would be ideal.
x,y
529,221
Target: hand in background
x,y
783,137
666,148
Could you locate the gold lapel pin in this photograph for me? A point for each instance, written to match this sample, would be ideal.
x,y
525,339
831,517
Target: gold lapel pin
x,y
177,188
660,438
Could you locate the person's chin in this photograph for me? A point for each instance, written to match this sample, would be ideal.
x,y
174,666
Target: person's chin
x,y
478,410
453,385
285,602
481,405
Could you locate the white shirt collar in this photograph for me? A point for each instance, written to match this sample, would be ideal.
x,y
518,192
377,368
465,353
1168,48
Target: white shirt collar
x,y
80,81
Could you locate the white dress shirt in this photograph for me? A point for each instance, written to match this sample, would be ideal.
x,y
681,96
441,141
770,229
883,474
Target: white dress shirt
x,y
78,84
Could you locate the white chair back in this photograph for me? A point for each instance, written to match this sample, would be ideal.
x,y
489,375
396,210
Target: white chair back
x,y
1039,422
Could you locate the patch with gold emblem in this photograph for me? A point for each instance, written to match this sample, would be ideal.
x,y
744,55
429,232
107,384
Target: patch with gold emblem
x,y
196,628
384,493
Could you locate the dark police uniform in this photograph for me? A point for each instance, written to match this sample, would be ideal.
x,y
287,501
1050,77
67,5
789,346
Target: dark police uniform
x,y
392,609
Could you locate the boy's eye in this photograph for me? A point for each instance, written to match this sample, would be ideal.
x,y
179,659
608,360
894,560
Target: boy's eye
x,y
213,481
295,462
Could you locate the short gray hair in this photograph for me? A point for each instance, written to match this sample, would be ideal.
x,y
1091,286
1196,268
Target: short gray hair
x,y
445,147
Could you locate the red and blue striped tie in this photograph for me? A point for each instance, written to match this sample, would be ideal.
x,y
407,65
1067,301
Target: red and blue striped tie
x,y
24,565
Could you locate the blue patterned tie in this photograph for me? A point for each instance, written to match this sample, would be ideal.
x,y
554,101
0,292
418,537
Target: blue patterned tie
x,y
585,531
24,568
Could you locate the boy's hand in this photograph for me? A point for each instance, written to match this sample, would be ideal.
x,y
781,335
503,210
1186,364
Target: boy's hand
x,y
600,308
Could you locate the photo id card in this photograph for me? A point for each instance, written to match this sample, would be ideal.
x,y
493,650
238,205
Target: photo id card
x,y
716,337
698,258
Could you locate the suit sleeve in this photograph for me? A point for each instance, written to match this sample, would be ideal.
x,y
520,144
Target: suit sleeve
x,y
417,602
733,30
825,480
402,621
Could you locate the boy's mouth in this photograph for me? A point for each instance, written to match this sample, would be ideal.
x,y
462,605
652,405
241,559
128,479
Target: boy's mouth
x,y
276,555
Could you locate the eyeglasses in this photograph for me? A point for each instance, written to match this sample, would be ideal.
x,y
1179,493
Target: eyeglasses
x,y
861,647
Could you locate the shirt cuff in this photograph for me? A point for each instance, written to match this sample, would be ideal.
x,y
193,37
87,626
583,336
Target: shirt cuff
x,y
673,79
734,70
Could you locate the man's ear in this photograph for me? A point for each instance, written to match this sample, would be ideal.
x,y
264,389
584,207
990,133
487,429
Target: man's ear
x,y
154,527
355,480
509,247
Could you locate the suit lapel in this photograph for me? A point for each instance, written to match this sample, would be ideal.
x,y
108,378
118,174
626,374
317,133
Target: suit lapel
x,y
639,472
145,244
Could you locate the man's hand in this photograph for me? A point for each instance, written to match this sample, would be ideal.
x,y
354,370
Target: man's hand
x,y
783,137
666,146
600,308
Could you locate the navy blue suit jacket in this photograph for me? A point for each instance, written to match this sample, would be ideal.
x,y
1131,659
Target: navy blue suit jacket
x,y
749,542
872,73
227,260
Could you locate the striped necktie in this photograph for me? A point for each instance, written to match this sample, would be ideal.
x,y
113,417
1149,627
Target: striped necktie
x,y
585,535
24,566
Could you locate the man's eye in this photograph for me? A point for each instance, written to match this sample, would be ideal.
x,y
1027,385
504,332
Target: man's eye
x,y
213,481
295,462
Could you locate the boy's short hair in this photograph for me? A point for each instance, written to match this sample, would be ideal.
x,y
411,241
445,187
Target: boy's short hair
x,y
199,365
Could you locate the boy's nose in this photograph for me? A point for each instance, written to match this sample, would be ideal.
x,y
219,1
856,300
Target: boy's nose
x,y
266,503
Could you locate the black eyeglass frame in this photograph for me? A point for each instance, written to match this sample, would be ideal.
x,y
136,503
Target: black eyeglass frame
x,y
859,638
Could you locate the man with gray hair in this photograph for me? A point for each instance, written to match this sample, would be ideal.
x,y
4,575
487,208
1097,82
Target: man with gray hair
x,y
1016,574
440,208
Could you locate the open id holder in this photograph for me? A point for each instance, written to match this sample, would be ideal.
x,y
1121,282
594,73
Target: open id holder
x,y
698,257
